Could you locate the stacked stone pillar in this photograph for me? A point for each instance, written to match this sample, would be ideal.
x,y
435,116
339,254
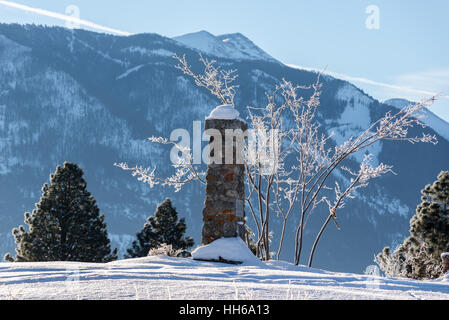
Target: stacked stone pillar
x,y
223,213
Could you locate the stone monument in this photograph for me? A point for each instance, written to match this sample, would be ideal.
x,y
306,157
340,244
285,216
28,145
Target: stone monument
x,y
223,213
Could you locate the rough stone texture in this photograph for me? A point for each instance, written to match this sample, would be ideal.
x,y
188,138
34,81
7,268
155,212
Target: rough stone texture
x,y
224,207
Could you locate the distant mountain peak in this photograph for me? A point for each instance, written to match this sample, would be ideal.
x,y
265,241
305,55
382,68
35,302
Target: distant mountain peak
x,y
398,102
232,45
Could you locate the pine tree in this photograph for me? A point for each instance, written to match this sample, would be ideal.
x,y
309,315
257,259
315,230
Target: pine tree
x,y
431,221
162,228
66,224
418,256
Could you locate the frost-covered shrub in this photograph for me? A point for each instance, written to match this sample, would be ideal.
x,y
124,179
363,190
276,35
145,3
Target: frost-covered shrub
x,y
411,259
168,250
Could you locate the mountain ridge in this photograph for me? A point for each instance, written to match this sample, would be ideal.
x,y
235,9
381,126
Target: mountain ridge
x,y
230,46
438,124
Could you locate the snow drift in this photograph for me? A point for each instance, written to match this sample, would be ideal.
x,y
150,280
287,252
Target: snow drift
x,y
162,277
228,249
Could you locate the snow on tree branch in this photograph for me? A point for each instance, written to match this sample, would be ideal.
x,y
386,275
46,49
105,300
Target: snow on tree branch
x,y
185,170
216,80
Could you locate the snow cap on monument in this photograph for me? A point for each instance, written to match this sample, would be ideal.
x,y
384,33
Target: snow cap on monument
x,y
224,112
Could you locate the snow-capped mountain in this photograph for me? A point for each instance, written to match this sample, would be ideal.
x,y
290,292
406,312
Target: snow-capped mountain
x,y
90,98
231,46
431,119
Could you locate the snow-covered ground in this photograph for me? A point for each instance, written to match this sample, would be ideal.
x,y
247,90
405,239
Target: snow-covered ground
x,y
162,277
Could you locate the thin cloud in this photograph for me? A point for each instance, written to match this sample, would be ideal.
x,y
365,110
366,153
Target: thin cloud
x,y
371,82
63,17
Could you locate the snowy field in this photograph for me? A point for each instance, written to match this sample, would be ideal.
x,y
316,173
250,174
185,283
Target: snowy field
x,y
162,277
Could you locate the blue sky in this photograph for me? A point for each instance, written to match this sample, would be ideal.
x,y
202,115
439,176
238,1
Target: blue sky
x,y
407,56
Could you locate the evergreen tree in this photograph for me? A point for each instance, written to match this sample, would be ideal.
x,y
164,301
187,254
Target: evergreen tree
x,y
162,228
66,224
418,256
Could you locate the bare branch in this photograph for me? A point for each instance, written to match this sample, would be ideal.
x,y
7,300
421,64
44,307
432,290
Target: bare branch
x,y
216,80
